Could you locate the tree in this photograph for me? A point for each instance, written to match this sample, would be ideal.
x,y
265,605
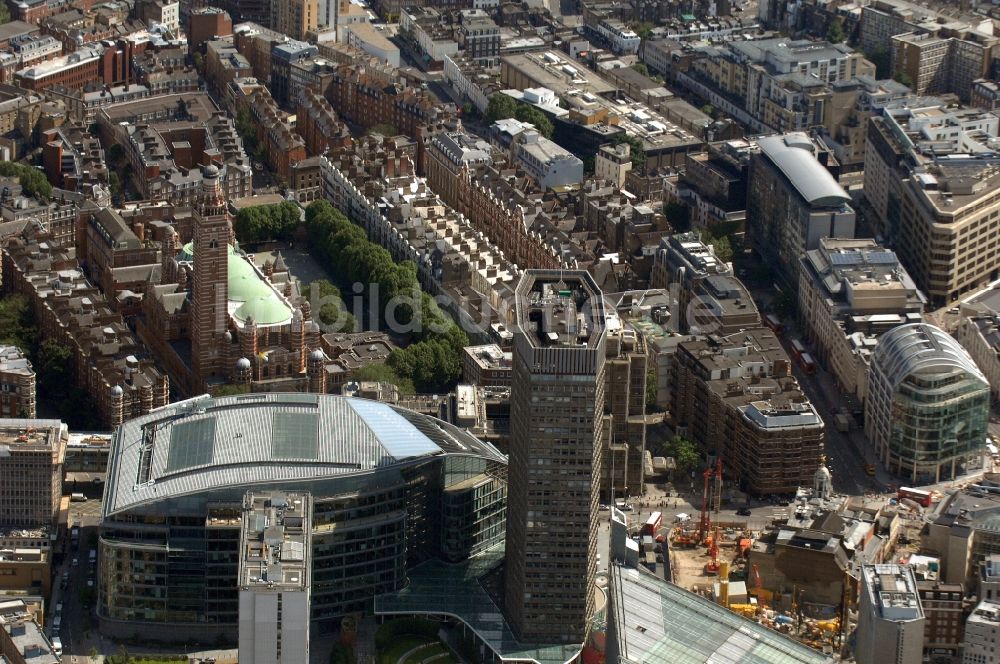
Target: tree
x,y
532,115
644,29
723,248
903,78
4,13
641,68
501,107
199,62
115,153
17,326
708,110
684,452
835,33
879,57
115,183
678,215
636,149
651,387
32,180
54,366
267,222
384,128
383,373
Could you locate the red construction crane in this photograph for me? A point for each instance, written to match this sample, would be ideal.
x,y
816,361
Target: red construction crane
x,y
705,523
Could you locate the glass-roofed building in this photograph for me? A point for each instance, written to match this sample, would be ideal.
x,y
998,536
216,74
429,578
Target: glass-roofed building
x,y
391,489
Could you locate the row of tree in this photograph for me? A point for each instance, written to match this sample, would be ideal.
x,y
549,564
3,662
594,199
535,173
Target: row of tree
x,y
265,223
433,362
33,181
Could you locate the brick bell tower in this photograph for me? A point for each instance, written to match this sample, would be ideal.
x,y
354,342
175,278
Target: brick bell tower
x,y
213,232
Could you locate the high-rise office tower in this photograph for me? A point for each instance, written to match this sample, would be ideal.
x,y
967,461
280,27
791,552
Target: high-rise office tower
x,y
890,618
557,403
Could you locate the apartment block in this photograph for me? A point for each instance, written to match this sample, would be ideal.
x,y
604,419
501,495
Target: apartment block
x,y
165,154
207,24
793,201
31,471
613,162
487,365
294,18
707,296
372,41
224,63
735,396
551,165
944,614
74,70
110,365
479,37
890,618
17,383
980,336
850,293
982,629
558,398
319,125
938,213
985,94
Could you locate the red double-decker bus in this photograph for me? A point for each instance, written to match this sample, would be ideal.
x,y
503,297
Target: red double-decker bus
x,y
919,496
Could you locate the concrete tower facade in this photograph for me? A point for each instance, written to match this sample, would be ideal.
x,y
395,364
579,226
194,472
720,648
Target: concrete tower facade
x,y
558,393
210,289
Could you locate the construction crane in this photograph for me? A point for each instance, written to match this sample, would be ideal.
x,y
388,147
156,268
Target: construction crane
x,y
763,595
705,523
712,566
711,498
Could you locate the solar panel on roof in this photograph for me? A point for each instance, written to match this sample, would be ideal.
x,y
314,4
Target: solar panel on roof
x,y
881,257
294,436
191,444
845,258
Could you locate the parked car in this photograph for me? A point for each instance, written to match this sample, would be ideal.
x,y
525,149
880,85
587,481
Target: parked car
x,y
743,511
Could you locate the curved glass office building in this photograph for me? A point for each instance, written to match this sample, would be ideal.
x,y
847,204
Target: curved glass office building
x,y
390,489
928,404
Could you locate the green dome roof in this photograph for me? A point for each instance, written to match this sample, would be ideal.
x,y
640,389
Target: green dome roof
x,y
264,310
244,283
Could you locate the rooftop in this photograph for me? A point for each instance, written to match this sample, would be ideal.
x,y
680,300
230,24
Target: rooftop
x,y
275,548
13,361
892,592
30,434
656,621
925,349
986,612
794,155
201,444
563,309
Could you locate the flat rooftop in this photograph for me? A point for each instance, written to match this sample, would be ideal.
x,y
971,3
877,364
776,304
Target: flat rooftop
x,y
30,435
892,590
275,550
560,309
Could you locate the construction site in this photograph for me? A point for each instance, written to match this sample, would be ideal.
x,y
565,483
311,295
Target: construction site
x,y
712,557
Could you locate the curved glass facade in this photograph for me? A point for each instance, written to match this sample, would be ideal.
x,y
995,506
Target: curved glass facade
x,y
174,560
928,405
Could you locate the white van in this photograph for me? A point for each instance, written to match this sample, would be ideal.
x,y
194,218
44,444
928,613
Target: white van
x,y
57,646
56,623
683,517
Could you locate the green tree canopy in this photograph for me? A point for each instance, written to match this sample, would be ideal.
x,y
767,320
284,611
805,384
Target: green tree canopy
x,y
641,68
636,148
501,107
835,32
651,388
678,215
267,222
904,78
880,57
434,362
4,13
684,452
33,181
526,113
